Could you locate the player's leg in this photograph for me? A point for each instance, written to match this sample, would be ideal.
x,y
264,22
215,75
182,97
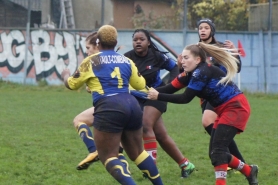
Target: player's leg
x,y
208,119
108,150
225,130
122,157
82,123
109,123
170,147
221,158
220,139
132,142
150,116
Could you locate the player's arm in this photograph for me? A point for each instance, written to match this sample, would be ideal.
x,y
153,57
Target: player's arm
x,y
170,65
136,80
181,81
65,75
183,98
229,44
81,75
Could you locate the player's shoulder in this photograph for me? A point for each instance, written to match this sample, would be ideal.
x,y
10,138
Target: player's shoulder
x,y
219,44
129,53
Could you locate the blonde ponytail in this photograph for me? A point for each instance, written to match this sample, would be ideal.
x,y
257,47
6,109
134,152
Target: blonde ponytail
x,y
224,58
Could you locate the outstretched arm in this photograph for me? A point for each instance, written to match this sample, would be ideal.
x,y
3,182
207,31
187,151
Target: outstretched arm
x,y
65,75
184,98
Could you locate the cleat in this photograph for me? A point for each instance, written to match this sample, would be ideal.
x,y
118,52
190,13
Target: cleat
x,y
185,172
229,169
252,179
90,159
145,176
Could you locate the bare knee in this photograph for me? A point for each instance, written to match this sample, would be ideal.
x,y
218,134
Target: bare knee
x,y
76,121
208,117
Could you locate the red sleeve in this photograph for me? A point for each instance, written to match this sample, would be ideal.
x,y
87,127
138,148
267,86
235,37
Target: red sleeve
x,y
177,84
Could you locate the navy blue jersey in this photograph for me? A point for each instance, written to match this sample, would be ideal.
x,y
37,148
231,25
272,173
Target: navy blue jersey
x,y
150,65
204,79
202,82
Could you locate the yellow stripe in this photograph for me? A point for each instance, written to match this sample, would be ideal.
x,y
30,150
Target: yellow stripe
x,y
149,175
79,124
139,160
83,129
109,159
121,154
122,170
141,157
127,165
116,166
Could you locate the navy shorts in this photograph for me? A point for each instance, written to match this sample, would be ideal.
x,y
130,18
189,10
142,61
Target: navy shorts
x,y
206,106
117,113
159,105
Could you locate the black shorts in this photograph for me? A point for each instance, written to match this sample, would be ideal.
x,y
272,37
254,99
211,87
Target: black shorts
x,y
206,106
159,105
117,113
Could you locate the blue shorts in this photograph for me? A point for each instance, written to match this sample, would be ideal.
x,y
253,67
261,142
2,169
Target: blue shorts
x,y
117,113
159,105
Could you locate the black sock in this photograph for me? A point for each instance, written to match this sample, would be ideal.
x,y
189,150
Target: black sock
x,y
234,151
209,128
121,149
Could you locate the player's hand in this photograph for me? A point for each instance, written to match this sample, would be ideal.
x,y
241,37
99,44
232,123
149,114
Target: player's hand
x,y
179,59
65,74
152,94
88,90
229,45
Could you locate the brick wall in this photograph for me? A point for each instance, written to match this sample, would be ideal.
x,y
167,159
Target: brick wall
x,y
12,15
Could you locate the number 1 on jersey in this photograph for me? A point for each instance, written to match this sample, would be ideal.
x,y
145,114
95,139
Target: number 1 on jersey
x,y
116,73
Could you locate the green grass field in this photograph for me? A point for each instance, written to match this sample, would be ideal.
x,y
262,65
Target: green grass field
x,y
39,145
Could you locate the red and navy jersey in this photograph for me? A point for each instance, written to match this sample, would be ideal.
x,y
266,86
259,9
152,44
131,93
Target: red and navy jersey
x,y
150,65
203,83
203,80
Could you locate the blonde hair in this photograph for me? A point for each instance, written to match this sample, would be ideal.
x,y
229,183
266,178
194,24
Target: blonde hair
x,y
107,36
223,57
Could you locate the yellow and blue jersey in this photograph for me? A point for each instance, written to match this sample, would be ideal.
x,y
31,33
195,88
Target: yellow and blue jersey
x,y
107,73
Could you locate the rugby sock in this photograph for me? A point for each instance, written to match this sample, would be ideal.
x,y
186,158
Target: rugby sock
x,y
150,146
121,149
122,158
183,163
117,169
209,128
146,164
220,174
86,135
237,164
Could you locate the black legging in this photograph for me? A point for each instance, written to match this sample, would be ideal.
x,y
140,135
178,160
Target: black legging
x,y
232,147
221,138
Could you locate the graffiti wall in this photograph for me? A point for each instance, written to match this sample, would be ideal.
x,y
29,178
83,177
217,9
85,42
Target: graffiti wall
x,y
48,54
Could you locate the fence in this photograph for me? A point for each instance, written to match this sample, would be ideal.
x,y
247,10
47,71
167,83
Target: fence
x,y
50,51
